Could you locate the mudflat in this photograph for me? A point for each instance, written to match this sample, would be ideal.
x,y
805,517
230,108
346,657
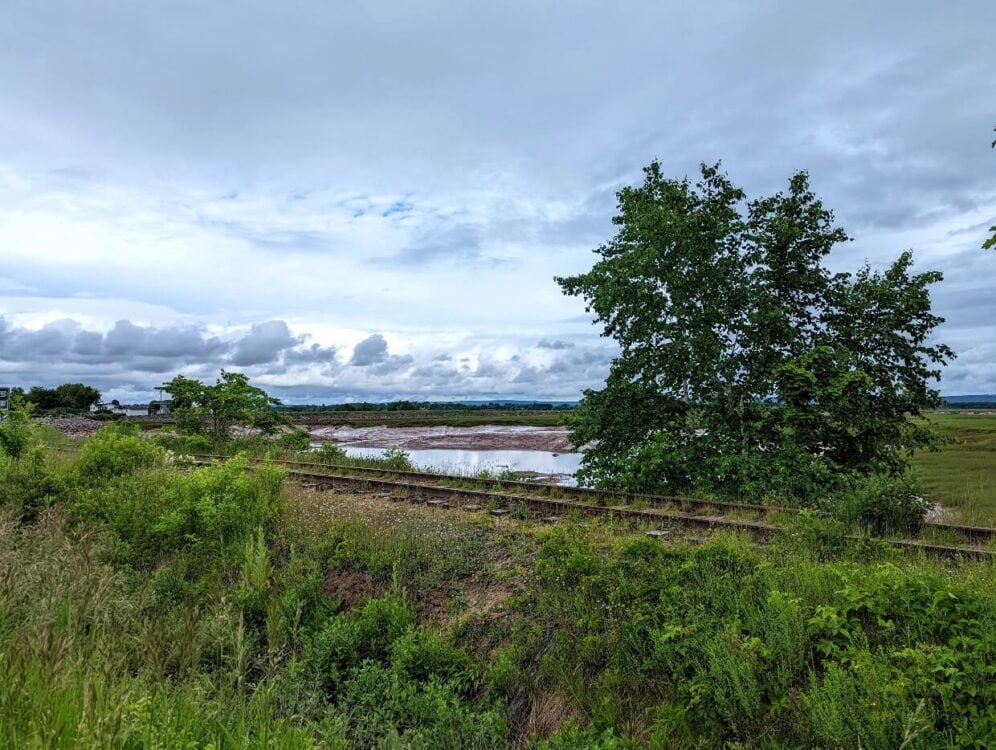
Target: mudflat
x,y
483,437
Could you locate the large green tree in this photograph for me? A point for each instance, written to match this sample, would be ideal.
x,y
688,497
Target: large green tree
x,y
68,396
215,409
745,365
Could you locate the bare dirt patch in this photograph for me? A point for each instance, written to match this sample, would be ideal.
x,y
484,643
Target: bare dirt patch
x,y
484,437
351,586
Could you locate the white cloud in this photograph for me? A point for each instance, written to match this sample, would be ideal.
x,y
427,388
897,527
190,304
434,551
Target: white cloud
x,y
257,197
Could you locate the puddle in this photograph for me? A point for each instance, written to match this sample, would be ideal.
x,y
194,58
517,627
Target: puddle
x,y
504,438
560,466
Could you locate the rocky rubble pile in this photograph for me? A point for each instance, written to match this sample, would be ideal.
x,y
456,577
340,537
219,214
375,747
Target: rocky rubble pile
x,y
75,427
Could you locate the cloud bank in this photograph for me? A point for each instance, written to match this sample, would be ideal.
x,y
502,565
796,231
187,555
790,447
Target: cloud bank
x,y
355,201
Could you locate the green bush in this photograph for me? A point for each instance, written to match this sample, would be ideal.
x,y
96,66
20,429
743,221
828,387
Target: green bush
x,y
867,705
367,634
396,458
16,431
420,655
724,644
329,453
884,504
115,451
201,518
295,440
387,709
187,445
27,485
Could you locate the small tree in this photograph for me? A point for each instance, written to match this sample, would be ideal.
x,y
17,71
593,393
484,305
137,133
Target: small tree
x,y
745,366
16,430
215,409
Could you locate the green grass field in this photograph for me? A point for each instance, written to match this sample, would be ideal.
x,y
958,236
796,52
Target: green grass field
x,y
961,476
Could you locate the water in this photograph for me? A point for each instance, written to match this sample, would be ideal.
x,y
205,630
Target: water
x,y
455,461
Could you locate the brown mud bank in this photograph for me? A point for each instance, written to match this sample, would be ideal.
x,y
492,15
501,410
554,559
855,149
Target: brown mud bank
x,y
484,437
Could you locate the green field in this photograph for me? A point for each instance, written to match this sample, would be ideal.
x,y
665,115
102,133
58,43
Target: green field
x,y
961,476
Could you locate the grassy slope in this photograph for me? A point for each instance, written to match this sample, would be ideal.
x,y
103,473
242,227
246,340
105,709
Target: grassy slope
x,y
147,610
962,475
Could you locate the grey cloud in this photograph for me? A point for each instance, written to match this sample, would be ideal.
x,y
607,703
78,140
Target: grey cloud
x,y
469,153
131,349
264,343
126,338
554,344
527,375
392,364
488,369
314,354
461,243
138,347
371,350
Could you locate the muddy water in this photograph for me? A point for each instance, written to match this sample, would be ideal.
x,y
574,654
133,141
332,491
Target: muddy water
x,y
483,437
465,450
453,461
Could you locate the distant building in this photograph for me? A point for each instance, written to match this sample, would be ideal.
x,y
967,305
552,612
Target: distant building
x,y
160,408
4,397
108,407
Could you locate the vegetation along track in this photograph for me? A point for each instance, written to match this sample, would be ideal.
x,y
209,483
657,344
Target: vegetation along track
x,y
555,500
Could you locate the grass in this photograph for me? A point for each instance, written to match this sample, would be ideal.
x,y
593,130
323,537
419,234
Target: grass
x,y
961,476
143,604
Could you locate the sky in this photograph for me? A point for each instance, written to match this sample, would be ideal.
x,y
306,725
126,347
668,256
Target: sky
x,y
369,200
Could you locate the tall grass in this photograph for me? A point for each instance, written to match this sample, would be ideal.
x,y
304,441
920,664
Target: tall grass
x,y
961,476
147,605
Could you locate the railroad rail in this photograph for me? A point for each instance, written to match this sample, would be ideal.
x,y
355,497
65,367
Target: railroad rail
x,y
431,489
977,534
668,510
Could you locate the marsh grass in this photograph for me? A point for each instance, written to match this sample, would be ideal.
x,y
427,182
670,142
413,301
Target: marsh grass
x,y
961,475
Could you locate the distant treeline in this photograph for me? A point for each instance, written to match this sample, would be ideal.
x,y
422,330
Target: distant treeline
x,y
432,406
69,398
969,405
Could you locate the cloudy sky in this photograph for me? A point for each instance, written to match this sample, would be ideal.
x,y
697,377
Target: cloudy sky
x,y
369,200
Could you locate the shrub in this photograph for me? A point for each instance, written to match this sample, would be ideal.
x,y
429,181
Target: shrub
x,y
884,504
27,485
330,453
295,440
205,516
387,709
396,458
368,633
115,451
183,444
864,705
423,656
16,431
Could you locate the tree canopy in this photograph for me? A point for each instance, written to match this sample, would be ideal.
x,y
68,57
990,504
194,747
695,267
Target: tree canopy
x,y
215,409
745,365
68,396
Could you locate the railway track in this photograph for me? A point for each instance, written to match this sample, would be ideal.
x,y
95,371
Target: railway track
x,y
553,502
